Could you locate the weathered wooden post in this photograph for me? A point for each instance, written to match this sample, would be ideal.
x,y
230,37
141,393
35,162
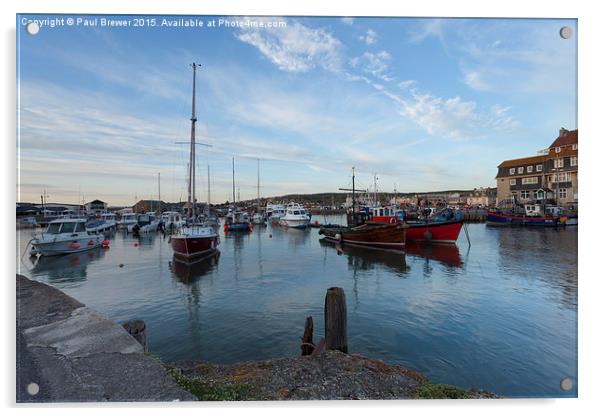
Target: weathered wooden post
x,y
335,320
137,329
307,342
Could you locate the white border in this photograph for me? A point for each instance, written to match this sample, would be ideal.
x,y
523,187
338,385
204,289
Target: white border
x,y
589,109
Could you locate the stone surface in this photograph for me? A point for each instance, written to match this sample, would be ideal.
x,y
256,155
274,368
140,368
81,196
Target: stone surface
x,y
75,354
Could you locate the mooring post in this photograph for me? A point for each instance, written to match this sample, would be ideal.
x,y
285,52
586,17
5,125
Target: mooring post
x,y
307,342
335,320
137,329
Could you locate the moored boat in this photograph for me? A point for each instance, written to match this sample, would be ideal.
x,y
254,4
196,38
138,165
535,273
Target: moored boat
x,y
237,221
65,236
370,234
510,219
195,240
296,216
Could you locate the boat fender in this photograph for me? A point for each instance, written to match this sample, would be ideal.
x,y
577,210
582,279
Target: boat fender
x,y
393,220
74,245
338,237
105,243
90,243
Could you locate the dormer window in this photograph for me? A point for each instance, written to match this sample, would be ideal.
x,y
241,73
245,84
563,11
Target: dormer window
x,y
529,169
539,168
558,150
520,170
511,171
575,146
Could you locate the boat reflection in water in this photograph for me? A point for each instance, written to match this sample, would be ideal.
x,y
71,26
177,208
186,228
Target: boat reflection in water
x,y
366,258
189,272
67,270
448,254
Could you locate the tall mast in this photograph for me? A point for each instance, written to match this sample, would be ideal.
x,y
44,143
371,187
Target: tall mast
x,y
208,190
159,180
191,166
257,185
375,204
233,188
353,188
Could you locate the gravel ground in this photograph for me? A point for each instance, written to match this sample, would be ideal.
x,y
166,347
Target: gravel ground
x,y
331,375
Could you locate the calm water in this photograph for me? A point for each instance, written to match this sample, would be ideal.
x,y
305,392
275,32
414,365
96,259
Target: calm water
x,y
500,315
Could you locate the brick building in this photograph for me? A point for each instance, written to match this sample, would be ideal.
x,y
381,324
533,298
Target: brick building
x,y
550,176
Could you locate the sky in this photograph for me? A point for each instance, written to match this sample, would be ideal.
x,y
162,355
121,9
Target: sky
x,y
424,104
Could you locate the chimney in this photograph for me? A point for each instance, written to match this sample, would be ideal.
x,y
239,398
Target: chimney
x,y
563,132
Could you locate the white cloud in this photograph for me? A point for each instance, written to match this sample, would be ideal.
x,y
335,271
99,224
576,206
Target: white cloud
x,y
376,64
428,27
296,49
406,84
347,20
370,37
474,80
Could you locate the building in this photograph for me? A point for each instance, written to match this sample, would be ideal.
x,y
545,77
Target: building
x,y
95,207
483,197
550,176
148,205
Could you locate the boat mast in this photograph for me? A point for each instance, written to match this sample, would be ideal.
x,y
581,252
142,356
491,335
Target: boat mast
x,y
258,185
159,180
375,204
191,164
208,190
233,188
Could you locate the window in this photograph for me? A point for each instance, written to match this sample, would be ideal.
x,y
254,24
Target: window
x,y
512,181
575,146
539,168
520,170
562,193
558,163
529,169
80,227
511,171
525,195
561,177
53,228
530,180
67,227
558,150
573,160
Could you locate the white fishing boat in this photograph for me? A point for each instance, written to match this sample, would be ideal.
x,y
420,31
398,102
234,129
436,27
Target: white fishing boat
x,y
296,216
64,236
146,223
258,219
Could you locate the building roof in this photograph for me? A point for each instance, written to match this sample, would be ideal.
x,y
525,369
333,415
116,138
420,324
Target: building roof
x,y
565,138
522,161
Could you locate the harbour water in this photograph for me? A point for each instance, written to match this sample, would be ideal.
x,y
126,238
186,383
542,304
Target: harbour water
x,y
500,315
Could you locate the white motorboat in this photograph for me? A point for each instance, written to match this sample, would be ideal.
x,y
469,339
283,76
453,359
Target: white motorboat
x,y
145,223
274,212
106,223
128,220
64,236
172,220
296,216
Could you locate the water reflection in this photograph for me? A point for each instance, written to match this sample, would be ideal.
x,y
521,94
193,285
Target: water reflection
x,y
448,254
365,259
191,272
67,270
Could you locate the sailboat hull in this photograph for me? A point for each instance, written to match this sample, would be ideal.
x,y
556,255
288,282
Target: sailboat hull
x,y
190,247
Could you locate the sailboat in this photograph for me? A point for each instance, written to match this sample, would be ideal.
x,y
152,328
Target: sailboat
x,y
259,218
193,240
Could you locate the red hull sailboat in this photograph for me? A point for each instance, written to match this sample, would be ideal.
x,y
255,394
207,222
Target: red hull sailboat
x,y
194,241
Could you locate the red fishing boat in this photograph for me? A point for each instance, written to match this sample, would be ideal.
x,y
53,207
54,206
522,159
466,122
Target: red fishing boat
x,y
195,240
442,228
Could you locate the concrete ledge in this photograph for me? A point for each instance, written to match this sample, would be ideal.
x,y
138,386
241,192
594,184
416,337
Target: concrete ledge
x,y
74,354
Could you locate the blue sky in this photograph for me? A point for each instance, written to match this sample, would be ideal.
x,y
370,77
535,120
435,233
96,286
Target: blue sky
x,y
426,104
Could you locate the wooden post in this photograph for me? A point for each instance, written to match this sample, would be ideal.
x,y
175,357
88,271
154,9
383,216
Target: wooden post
x,y
137,329
307,343
335,320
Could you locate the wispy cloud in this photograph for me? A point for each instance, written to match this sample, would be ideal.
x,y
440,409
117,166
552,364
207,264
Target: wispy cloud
x,y
296,49
375,64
